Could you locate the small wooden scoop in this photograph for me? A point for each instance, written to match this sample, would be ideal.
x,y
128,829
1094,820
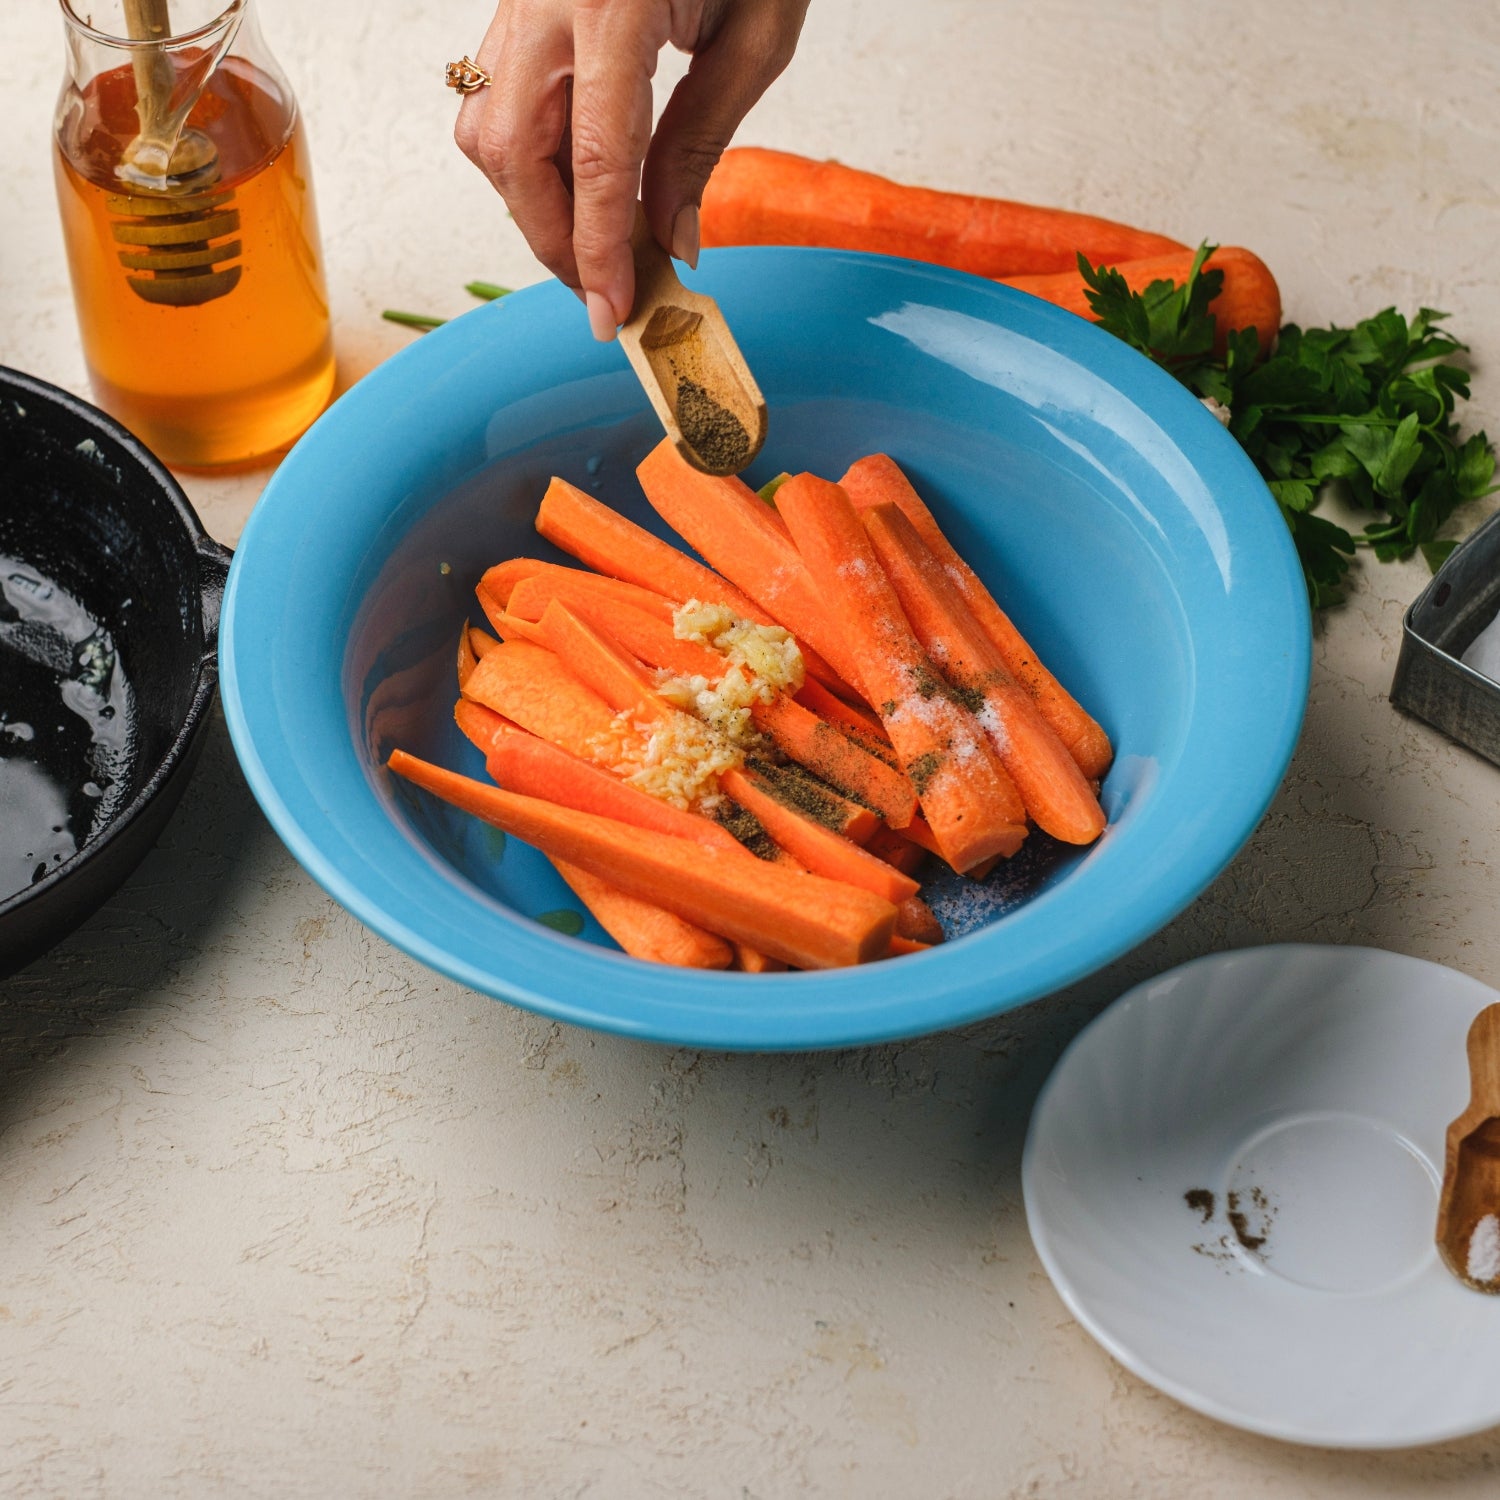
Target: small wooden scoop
x,y
1468,1223
690,365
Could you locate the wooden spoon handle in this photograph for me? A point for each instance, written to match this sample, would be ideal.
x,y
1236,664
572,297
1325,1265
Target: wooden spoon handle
x,y
1484,1063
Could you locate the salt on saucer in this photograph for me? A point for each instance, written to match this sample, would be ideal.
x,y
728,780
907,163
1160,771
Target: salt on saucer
x,y
1483,654
1484,1250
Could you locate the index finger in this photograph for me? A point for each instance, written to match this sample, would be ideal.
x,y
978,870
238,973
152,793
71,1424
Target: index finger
x,y
615,52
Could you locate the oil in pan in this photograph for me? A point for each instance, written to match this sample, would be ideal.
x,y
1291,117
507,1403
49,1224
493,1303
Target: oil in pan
x,y
67,733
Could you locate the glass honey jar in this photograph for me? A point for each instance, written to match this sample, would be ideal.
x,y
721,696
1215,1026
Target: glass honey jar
x,y
192,237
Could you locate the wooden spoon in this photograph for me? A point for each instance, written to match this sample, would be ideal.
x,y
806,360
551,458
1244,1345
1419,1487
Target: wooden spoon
x,y
690,365
1468,1223
172,220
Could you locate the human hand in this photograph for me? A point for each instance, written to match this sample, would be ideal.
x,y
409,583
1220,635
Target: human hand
x,y
564,130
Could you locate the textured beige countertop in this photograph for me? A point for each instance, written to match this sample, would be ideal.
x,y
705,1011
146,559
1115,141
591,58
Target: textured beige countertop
x,y
283,1213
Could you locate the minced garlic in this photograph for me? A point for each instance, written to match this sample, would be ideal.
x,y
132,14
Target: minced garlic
x,y
767,652
680,758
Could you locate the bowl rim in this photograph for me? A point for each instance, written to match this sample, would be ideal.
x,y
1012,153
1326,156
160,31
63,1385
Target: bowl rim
x,y
675,1011
213,566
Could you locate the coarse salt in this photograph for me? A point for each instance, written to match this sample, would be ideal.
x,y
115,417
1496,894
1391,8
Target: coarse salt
x,y
1484,1250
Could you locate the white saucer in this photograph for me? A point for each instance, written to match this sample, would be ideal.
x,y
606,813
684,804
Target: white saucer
x,y
1307,1089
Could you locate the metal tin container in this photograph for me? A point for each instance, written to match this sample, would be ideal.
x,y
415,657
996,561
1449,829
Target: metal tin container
x,y
1431,681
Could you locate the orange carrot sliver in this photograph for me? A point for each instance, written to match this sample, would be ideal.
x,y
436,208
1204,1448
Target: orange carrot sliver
x,y
530,686
468,658
500,583
805,920
878,478
599,663
645,931
1054,790
821,850
968,800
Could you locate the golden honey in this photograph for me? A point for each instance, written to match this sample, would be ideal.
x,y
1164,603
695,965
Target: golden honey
x,y
236,377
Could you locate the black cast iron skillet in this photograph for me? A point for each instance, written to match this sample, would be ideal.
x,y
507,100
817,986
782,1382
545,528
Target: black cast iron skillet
x,y
87,512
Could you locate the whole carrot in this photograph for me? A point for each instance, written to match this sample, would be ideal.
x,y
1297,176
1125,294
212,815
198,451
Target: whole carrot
x,y
1249,297
760,197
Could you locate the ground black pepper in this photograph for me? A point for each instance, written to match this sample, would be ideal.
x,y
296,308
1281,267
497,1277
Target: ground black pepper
x,y
799,789
748,829
712,431
921,771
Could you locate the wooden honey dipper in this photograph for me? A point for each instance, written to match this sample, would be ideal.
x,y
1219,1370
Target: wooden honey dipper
x,y
174,235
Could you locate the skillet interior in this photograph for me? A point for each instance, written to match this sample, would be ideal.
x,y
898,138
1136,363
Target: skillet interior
x,y
87,513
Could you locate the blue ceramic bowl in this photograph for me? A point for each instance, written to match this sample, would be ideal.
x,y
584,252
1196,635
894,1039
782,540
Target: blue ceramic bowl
x,y
1111,514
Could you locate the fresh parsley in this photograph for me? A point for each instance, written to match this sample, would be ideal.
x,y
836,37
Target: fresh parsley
x,y
1369,409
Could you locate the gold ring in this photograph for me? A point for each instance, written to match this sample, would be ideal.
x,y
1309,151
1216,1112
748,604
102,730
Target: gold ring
x,y
466,76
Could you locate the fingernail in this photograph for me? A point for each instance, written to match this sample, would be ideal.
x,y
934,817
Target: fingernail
x,y
601,317
685,235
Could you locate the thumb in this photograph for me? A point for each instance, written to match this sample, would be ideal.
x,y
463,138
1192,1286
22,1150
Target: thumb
x,y
728,73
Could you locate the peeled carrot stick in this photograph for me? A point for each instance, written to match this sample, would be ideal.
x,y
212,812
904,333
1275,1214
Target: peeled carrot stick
x,y
645,637
876,479
742,537
840,761
1249,297
898,849
523,763
901,945
501,580
481,642
967,798
811,796
822,851
483,726
531,687
858,723
599,663
916,919
759,197
643,930
505,625
804,920
753,961
605,540
574,586
1053,789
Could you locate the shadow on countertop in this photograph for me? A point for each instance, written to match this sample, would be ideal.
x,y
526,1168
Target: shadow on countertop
x,y
130,954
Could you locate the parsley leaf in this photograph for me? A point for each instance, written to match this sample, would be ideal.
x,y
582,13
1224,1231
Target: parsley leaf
x,y
1369,409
